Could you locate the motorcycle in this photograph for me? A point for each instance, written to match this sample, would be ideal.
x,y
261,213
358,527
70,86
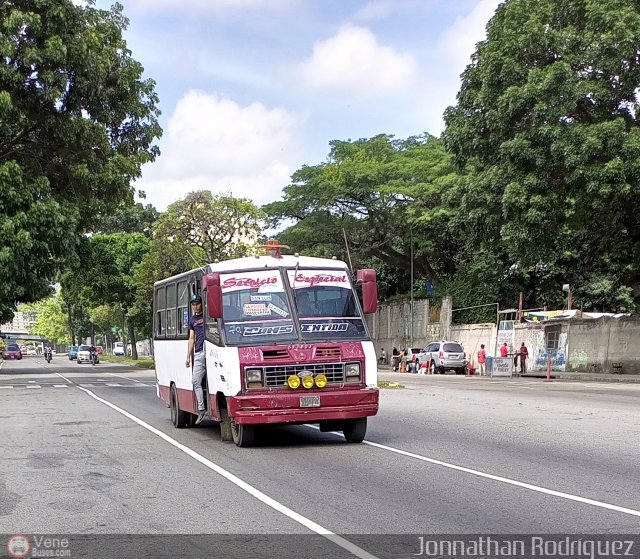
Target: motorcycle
x,y
94,357
47,356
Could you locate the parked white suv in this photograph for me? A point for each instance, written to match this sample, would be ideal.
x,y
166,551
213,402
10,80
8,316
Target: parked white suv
x,y
441,356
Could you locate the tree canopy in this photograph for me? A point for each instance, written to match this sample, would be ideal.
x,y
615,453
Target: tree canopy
x,y
221,225
77,121
545,133
379,193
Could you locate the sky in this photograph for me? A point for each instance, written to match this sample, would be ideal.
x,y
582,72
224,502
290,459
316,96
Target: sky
x,y
252,90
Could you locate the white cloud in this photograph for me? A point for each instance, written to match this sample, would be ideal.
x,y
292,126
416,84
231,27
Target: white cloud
x,y
354,62
216,144
214,7
381,9
458,42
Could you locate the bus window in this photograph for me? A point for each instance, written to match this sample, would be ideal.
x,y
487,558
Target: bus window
x,y
161,314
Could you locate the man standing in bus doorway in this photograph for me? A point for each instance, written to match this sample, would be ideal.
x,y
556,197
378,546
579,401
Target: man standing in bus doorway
x,y
196,346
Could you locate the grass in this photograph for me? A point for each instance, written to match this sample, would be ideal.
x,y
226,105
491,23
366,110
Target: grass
x,y
389,384
143,362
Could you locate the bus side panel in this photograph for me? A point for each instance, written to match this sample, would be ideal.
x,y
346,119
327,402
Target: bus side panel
x,y
170,357
370,364
223,370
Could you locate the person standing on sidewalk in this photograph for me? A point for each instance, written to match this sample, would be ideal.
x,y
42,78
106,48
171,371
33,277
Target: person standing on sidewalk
x,y
196,347
524,355
482,359
504,350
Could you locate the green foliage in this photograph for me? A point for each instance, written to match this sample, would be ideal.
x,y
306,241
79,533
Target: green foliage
x,y
380,194
77,121
51,319
128,218
546,132
221,226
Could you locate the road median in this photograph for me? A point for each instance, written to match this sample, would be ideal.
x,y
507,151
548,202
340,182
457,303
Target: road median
x,y
143,362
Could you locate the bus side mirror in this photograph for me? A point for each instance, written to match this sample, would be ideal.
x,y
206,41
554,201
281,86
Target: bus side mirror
x,y
367,279
214,295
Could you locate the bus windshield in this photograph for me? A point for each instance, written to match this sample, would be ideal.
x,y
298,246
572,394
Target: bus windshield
x,y
255,308
326,305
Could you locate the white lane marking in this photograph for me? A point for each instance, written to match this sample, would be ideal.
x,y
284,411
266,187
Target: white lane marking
x,y
6,386
64,378
277,506
61,386
113,384
32,381
33,386
508,481
128,378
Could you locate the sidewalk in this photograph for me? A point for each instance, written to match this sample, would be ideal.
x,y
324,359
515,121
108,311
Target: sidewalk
x,y
555,375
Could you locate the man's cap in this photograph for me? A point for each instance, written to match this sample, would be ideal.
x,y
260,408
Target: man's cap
x,y
196,299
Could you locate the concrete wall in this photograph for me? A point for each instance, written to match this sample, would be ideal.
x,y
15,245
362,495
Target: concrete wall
x,y
472,335
535,337
391,326
593,345
596,345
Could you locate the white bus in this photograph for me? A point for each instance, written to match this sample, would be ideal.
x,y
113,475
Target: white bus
x,y
286,341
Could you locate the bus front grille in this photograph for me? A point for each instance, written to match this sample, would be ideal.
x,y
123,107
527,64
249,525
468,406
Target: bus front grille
x,y
277,375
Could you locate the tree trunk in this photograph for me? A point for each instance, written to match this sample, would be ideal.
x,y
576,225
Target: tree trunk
x,y
72,336
132,337
124,333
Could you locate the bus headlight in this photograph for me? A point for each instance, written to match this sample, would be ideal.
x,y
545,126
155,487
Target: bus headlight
x,y
308,381
352,370
293,381
321,381
253,375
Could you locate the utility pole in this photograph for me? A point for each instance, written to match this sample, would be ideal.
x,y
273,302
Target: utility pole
x,y
411,329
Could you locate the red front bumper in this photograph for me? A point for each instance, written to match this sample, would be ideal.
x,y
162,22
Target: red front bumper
x,y
284,406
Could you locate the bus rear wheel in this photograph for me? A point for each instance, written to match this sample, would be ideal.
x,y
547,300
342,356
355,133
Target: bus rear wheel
x,y
354,430
242,434
179,418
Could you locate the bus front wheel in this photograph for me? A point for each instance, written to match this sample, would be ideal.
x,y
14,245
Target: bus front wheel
x,y
354,430
226,432
179,418
242,434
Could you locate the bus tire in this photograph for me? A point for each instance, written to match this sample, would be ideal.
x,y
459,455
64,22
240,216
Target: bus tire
x,y
242,434
179,418
354,430
225,426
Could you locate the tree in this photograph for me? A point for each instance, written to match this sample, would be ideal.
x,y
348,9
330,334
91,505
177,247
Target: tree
x,y
547,124
128,218
379,193
222,226
110,273
77,121
105,318
51,319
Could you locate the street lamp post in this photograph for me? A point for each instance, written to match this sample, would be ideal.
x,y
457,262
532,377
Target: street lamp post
x,y
411,327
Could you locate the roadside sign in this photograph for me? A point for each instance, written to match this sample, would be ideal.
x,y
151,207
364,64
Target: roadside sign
x,y
502,367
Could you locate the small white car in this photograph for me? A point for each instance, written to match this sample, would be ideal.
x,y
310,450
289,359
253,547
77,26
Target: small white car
x,y
118,348
84,354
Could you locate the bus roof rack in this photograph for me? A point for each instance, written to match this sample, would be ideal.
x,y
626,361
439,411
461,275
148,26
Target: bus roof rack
x,y
273,248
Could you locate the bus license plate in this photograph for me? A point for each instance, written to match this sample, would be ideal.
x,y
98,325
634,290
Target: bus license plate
x,y
309,401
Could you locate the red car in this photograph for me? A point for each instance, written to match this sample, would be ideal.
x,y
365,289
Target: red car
x,y
99,349
12,352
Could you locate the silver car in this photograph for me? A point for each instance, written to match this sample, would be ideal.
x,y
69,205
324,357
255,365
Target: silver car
x,y
441,356
84,354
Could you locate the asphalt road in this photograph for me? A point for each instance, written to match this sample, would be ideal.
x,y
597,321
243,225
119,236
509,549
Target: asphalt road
x,y
445,455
